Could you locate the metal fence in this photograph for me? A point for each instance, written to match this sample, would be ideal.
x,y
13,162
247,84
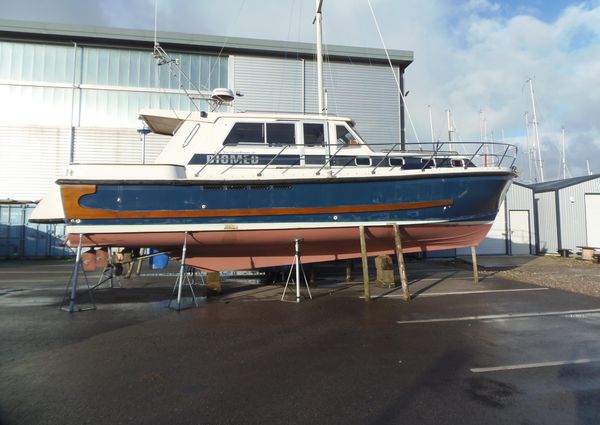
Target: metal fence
x,y
21,239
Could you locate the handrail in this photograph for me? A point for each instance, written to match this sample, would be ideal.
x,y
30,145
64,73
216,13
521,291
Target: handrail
x,y
273,159
330,158
379,153
211,160
435,152
476,152
384,158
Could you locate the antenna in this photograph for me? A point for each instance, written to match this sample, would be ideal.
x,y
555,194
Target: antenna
x,y
155,20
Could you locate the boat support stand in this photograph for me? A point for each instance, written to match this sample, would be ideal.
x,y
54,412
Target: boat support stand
x,y
108,274
401,265
71,288
365,263
183,278
297,263
475,269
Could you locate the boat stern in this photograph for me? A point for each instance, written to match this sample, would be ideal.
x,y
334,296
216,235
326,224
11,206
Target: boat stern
x,y
49,209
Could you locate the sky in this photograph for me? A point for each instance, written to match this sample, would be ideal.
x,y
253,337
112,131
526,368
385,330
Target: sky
x,y
470,56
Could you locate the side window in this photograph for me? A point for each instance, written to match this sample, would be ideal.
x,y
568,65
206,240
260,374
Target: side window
x,y
245,132
281,133
344,136
314,134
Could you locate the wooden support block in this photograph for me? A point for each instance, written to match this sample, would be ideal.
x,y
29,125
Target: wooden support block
x,y
401,265
213,282
385,271
365,263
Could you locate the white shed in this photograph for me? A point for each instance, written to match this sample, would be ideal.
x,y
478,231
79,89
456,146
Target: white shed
x,y
568,213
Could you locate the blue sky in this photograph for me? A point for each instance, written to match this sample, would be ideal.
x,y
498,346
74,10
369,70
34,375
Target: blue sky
x,y
470,55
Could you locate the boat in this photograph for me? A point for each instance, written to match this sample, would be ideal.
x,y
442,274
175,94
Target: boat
x,y
237,188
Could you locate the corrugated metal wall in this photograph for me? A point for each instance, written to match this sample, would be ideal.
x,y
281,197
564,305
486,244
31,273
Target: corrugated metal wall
x,y
572,213
268,84
363,92
520,197
31,160
115,145
546,222
366,93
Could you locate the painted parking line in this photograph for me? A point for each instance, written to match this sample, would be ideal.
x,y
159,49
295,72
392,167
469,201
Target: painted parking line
x,y
501,316
439,294
532,365
31,280
34,272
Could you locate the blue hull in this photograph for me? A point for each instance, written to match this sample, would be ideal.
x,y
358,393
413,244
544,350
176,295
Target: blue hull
x,y
446,198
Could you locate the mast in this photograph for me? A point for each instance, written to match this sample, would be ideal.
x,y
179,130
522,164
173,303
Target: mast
x,y
431,125
450,129
319,27
536,132
530,153
564,157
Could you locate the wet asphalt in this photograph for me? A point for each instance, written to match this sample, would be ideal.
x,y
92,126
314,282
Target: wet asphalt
x,y
500,352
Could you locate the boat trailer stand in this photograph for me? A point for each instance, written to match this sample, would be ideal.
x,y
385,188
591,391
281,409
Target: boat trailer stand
x,y
297,264
71,288
183,278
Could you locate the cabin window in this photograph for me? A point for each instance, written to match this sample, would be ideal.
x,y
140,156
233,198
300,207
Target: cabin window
x,y
428,162
245,132
458,163
345,136
362,160
314,134
281,133
396,162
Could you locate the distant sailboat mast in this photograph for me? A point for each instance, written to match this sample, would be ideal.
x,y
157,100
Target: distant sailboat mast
x,y
565,170
450,129
530,152
540,162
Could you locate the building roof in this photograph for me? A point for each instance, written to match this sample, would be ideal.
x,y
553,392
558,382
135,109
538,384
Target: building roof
x,y
63,33
561,184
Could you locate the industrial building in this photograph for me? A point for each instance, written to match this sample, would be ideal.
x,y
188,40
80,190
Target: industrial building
x,y
72,94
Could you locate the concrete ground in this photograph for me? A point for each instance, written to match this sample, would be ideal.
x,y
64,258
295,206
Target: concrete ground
x,y
500,352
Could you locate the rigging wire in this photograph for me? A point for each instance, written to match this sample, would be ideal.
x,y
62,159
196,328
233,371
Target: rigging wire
x,y
396,77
